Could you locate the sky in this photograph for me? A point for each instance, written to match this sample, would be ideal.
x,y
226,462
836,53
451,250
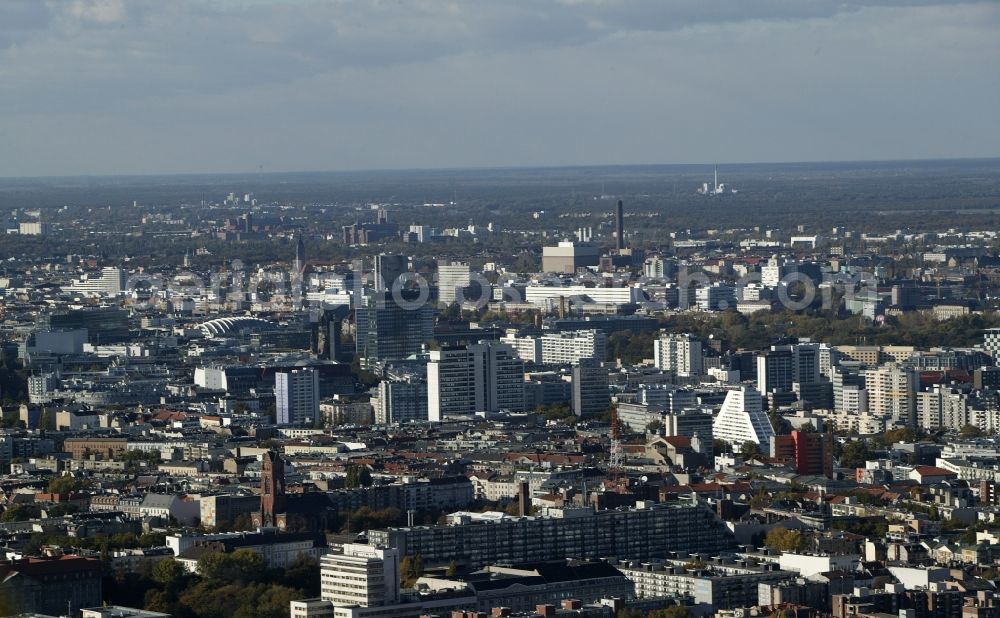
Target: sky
x,y
100,87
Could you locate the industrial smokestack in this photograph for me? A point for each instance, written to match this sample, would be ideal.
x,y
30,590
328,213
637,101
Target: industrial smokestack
x,y
620,226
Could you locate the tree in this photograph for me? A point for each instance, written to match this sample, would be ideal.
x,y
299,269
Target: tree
x,y
696,565
971,431
19,512
358,476
65,485
171,576
271,601
241,566
760,500
749,449
406,576
898,434
556,412
653,426
452,569
303,574
630,347
779,423
134,457
7,606
64,508
209,598
782,539
674,611
168,571
157,601
410,569
854,454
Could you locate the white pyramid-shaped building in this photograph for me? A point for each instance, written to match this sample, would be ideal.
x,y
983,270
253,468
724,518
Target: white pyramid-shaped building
x,y
743,419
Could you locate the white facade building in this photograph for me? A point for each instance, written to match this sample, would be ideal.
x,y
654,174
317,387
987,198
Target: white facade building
x,y
296,395
111,282
482,377
559,348
548,296
680,353
361,575
991,342
743,419
452,278
892,392
400,401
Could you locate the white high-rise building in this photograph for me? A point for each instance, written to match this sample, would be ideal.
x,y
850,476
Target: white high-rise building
x,y
771,273
566,348
892,393
34,228
482,377
743,419
991,342
361,575
828,357
296,396
680,353
775,271
716,297
422,233
559,348
854,399
452,278
547,297
782,366
400,401
942,408
528,348
111,282
655,267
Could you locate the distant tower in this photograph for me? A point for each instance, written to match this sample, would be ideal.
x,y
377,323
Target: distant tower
x,y
300,254
616,461
187,259
715,183
524,499
620,226
272,489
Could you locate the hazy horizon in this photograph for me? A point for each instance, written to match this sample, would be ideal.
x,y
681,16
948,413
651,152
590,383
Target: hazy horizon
x,y
688,167
110,88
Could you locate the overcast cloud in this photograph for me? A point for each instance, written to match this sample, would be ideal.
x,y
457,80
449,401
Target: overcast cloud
x,y
115,86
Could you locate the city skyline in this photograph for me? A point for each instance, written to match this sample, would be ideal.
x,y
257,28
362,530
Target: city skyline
x,y
489,358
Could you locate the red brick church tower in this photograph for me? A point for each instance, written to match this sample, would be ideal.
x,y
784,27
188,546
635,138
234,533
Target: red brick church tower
x,y
272,491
